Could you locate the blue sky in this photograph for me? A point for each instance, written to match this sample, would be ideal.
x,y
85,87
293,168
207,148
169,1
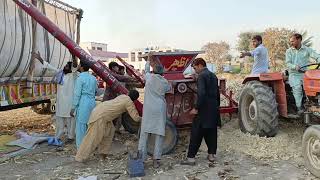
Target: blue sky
x,y
189,24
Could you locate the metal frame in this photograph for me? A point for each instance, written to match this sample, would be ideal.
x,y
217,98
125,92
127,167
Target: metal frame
x,y
230,108
63,6
170,53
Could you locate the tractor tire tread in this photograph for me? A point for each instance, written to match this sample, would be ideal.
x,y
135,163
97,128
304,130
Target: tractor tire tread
x,y
266,107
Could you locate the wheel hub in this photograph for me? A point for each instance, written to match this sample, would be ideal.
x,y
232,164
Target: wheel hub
x,y
314,151
250,112
316,148
253,110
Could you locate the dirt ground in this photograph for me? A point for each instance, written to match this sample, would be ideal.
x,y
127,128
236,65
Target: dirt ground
x,y
240,156
24,119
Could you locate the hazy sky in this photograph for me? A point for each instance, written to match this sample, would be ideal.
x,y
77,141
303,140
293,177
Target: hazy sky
x,y
189,24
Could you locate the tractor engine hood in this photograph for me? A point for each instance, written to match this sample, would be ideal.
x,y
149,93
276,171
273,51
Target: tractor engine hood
x,y
311,82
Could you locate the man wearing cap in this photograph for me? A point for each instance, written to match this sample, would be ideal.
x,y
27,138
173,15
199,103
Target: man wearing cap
x,y
154,110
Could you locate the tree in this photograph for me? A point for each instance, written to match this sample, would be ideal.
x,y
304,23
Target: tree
x,y
217,53
244,41
307,41
276,40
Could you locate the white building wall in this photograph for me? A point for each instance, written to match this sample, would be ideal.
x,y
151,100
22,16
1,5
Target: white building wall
x,y
139,63
94,46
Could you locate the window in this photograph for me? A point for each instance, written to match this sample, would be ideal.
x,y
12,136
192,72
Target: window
x,y
133,57
99,48
93,48
139,58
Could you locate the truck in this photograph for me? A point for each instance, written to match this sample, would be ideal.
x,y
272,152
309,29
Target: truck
x,y
23,81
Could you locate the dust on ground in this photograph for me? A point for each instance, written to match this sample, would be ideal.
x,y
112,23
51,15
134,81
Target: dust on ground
x,y
285,146
24,119
240,156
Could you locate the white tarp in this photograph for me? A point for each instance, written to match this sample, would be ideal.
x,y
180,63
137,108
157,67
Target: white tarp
x,y
16,39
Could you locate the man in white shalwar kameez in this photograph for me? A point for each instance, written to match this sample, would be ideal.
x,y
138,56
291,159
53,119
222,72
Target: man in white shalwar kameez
x,y
154,110
65,79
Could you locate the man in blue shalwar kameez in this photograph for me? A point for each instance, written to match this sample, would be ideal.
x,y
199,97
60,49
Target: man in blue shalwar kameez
x,y
83,101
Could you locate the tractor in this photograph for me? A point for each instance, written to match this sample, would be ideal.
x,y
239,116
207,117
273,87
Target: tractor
x,y
267,96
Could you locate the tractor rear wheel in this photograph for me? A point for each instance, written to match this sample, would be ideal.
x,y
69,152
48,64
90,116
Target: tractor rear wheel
x,y
311,149
258,112
169,142
129,124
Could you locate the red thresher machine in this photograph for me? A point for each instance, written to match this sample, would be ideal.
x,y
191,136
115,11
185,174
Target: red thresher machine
x,y
180,102
182,98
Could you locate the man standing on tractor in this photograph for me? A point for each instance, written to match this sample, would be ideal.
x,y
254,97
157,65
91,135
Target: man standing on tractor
x,y
207,113
296,57
260,56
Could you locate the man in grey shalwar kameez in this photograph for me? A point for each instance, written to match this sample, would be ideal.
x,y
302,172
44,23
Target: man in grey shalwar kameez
x,y
154,110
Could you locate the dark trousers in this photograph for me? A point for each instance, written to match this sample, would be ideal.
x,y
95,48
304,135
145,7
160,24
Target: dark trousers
x,y
197,134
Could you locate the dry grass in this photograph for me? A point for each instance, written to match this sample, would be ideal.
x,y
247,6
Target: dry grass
x,y
24,119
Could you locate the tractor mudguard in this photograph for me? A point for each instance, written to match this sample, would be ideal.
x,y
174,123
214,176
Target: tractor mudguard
x,y
276,81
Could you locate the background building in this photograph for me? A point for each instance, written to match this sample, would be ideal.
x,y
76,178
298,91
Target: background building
x,y
94,46
139,63
99,51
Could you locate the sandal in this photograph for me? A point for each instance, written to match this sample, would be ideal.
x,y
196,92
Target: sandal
x,y
188,162
59,148
213,159
156,163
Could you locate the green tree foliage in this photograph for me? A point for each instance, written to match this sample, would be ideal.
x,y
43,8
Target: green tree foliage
x,y
276,40
244,41
217,53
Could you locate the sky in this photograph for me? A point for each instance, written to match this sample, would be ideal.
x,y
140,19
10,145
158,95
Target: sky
x,y
189,24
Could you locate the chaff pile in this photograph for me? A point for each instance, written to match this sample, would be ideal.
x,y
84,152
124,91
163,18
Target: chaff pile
x,y
24,119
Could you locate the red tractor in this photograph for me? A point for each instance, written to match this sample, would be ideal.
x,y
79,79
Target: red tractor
x,y
268,95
